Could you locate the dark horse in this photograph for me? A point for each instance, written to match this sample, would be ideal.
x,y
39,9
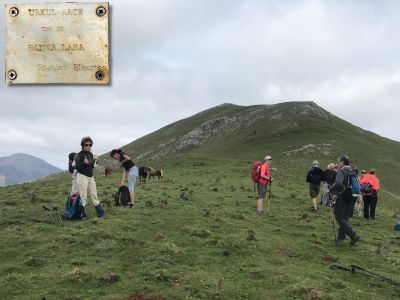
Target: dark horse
x,y
143,174
154,172
108,170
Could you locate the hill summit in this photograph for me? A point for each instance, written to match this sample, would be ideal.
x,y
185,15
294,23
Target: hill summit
x,y
301,131
228,120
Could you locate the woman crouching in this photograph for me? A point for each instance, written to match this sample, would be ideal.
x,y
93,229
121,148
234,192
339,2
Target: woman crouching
x,y
127,166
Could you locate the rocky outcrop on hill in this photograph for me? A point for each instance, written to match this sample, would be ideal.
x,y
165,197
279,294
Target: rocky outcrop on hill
x,y
227,120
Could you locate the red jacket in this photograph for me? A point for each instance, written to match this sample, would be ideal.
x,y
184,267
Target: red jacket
x,y
265,171
371,179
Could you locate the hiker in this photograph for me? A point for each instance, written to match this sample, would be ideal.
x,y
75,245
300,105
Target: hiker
x,y
328,179
84,164
363,172
127,166
360,201
265,179
370,197
314,177
344,201
72,170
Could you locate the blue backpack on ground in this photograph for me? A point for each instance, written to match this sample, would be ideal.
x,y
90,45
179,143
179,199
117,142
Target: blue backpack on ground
x,y
73,208
397,226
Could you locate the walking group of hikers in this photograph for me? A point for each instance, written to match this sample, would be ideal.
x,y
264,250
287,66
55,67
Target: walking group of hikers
x,y
81,167
365,187
343,187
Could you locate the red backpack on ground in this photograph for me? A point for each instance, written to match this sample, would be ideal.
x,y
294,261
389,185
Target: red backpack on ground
x,y
255,170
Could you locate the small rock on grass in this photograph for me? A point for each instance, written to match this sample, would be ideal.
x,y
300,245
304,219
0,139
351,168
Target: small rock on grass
x,y
110,278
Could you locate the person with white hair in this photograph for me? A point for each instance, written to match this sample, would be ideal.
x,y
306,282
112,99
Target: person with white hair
x,y
328,180
314,178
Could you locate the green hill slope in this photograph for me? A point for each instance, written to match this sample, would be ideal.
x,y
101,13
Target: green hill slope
x,y
195,234
298,131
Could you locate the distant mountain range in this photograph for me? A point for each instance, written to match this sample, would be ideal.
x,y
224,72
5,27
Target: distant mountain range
x,y
21,167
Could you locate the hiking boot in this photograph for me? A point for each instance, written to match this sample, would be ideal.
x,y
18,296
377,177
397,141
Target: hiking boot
x,y
354,239
260,212
340,240
99,211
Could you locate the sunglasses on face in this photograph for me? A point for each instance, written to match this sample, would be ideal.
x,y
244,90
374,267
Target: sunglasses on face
x,y
88,145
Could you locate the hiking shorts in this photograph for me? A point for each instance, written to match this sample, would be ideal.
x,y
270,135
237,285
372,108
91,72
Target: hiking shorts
x,y
132,174
262,190
314,190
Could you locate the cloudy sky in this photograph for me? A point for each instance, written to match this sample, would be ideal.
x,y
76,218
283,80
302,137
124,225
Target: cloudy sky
x,y
174,58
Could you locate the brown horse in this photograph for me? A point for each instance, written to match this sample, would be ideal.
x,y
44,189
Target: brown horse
x,y
155,172
108,170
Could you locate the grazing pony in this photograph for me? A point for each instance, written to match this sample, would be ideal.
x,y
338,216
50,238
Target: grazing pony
x,y
108,170
155,172
143,174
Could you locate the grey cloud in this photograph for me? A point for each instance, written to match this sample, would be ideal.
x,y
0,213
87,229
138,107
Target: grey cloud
x,y
171,59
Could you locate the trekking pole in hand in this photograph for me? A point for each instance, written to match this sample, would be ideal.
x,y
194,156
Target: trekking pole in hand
x,y
55,209
332,217
269,197
270,190
47,210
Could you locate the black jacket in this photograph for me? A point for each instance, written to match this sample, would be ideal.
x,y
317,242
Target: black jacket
x,y
329,176
81,167
315,175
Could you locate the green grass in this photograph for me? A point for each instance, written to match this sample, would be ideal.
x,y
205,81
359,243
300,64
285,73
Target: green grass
x,y
198,246
207,242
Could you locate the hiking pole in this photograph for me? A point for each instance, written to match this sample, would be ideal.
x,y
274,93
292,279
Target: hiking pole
x,y
55,209
332,217
339,267
374,275
364,272
269,197
47,210
270,190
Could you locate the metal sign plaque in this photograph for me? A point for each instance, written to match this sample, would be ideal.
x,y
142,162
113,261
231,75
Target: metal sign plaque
x,y
57,43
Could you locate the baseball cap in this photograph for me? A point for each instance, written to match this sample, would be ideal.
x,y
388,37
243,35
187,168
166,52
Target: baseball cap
x,y
268,157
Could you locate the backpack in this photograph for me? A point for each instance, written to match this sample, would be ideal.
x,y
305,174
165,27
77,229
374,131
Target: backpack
x,y
122,197
353,183
309,177
73,208
366,188
255,170
71,162
313,177
348,183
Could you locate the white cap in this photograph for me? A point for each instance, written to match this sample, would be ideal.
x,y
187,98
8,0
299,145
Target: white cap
x,y
268,157
315,163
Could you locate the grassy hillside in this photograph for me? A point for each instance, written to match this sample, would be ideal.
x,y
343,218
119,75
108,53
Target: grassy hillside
x,y
194,234
299,130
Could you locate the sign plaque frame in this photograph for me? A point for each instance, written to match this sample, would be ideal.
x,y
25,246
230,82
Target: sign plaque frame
x,y
57,43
